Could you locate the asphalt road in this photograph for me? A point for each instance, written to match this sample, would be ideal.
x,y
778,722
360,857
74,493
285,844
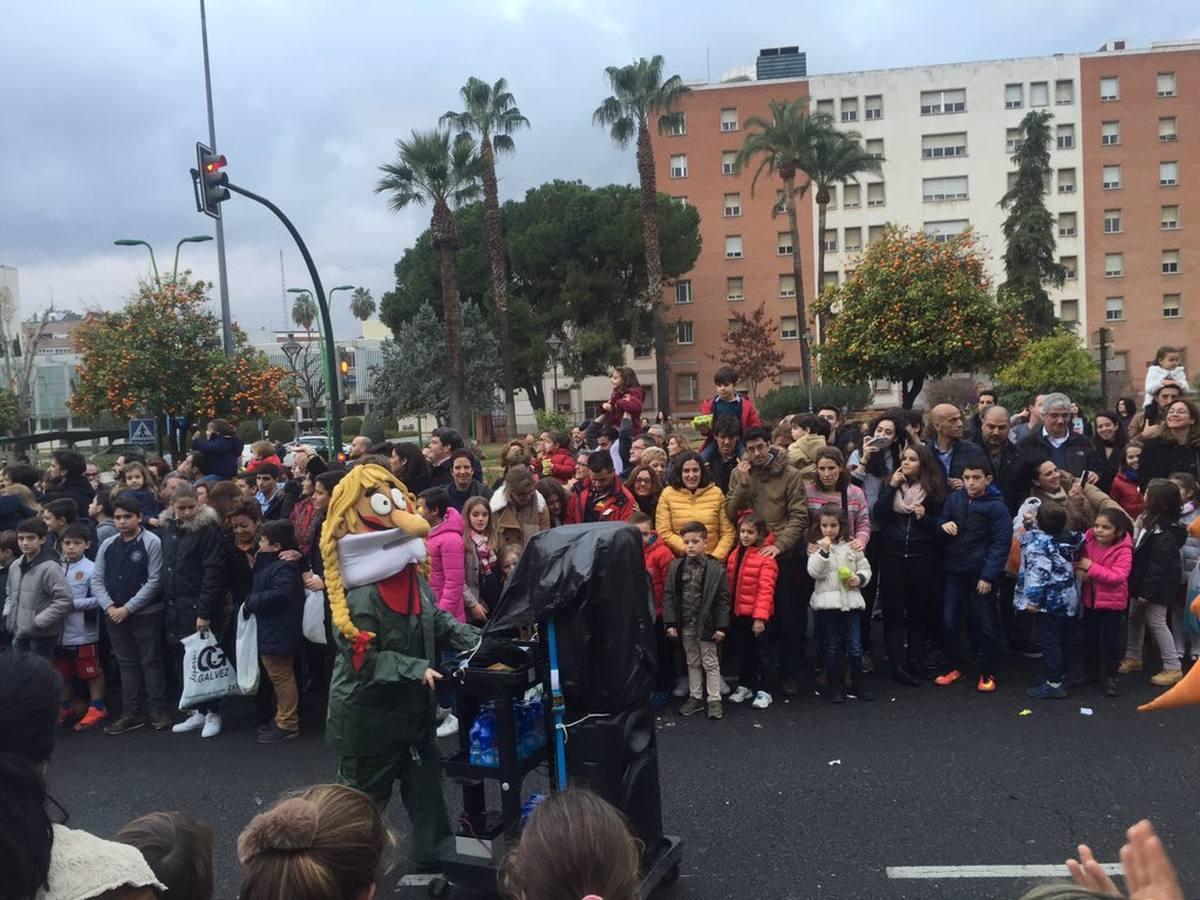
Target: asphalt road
x,y
801,800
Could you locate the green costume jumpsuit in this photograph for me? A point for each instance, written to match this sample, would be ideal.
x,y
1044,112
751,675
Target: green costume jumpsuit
x,y
381,720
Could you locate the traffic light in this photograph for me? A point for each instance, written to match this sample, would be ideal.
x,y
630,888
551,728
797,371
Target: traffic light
x,y
210,181
345,371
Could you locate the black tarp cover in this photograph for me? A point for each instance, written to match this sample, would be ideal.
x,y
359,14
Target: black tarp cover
x,y
592,579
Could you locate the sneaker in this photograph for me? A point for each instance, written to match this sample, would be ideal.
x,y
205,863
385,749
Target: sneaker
x,y
161,720
681,687
1048,690
762,700
1129,665
741,695
1167,677
442,713
91,718
126,722
715,710
725,689
276,734
949,678
691,706
448,728
194,721
212,725
264,727
986,684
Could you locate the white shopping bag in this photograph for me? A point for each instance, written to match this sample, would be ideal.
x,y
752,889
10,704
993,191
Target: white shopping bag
x,y
207,674
247,653
314,616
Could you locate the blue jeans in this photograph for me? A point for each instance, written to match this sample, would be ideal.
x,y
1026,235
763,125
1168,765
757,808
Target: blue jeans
x,y
839,631
1058,637
39,646
983,621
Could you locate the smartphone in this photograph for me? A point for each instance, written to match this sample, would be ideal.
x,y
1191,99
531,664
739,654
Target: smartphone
x,y
879,443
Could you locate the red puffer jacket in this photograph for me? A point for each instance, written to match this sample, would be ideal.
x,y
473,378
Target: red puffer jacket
x,y
752,580
562,464
658,559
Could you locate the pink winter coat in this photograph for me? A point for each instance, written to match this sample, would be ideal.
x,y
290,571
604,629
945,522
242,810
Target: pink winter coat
x,y
1107,586
448,564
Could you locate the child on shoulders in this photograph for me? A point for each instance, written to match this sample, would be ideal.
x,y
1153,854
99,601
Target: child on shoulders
x,y
727,402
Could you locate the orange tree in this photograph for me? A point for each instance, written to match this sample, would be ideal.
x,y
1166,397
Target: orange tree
x,y
916,308
160,355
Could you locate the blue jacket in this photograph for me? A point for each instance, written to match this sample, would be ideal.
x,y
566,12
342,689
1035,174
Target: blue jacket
x,y
224,454
1047,577
277,598
984,534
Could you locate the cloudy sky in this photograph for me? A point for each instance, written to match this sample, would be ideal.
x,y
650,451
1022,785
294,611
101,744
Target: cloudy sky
x,y
101,105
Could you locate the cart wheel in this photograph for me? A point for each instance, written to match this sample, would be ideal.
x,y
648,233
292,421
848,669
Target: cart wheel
x,y
672,876
439,887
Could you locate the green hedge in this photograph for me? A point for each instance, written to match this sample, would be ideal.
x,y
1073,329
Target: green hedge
x,y
248,432
786,401
281,431
352,426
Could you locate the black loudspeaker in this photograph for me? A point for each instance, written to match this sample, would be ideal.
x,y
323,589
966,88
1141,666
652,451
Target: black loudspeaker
x,y
617,757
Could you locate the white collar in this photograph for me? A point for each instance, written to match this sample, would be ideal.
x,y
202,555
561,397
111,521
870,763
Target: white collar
x,y
376,555
1056,442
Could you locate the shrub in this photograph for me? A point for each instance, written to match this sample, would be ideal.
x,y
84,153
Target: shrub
x,y
352,426
786,401
373,427
549,420
281,431
249,431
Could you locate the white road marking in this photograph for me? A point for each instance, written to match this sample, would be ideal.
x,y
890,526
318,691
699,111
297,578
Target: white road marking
x,y
937,872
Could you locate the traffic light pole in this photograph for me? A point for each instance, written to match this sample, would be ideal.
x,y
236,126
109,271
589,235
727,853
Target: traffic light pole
x,y
222,276
333,422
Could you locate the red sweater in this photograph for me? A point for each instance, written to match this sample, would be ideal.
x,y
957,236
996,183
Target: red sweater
x,y
562,465
1126,494
658,559
752,580
619,506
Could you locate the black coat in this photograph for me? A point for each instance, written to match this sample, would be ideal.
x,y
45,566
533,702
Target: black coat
x,y
13,512
1162,457
1157,568
224,454
1078,453
1009,475
279,506
903,534
73,487
194,572
961,453
277,598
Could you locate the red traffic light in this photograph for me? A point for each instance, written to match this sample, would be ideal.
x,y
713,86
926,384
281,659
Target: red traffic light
x,y
214,164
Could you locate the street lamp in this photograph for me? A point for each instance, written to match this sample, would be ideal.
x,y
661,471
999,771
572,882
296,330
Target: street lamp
x,y
133,242
554,342
340,287
194,239
291,349
325,341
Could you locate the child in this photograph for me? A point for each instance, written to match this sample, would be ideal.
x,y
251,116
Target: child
x,y
1046,584
809,434
1168,366
978,534
447,552
272,498
262,453
78,653
38,598
493,584
1154,582
696,612
58,514
1189,556
727,402
838,571
559,462
126,583
479,546
1104,566
140,482
1125,483
752,578
9,551
626,400
177,848
277,598
658,559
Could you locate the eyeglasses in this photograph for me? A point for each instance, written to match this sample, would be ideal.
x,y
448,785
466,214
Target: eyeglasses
x,y
1057,415
643,479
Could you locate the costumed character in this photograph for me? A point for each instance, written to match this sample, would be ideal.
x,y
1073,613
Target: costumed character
x,y
381,720
1185,692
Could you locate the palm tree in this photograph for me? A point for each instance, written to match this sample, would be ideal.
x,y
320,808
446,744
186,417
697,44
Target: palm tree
x,y
783,145
304,311
640,93
362,304
492,114
430,168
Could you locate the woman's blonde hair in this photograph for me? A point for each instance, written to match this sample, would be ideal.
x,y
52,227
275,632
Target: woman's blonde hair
x,y
326,842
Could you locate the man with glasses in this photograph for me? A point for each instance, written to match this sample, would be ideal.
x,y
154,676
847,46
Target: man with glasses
x,y
1055,441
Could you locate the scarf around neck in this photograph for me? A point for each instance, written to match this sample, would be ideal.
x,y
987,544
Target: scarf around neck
x,y
908,496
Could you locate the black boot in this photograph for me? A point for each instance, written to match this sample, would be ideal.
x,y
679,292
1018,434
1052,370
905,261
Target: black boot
x,y
834,691
902,675
858,686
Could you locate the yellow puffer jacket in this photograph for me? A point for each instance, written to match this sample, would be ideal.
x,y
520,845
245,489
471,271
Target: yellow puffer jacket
x,y
678,506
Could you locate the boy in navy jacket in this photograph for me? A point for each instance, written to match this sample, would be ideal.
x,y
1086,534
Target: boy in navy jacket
x,y
978,535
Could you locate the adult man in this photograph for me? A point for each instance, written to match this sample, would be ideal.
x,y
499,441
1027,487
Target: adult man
x,y
463,484
833,415
166,490
519,510
984,400
764,482
1167,394
952,450
726,432
604,498
65,479
273,499
360,445
1056,441
442,442
1029,420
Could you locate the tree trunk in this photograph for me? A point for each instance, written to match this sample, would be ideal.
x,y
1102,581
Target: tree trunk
x,y
909,389
495,244
654,274
789,193
445,241
822,204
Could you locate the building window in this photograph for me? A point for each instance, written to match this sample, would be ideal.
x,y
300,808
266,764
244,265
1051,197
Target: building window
x,y
679,166
1012,179
1114,309
687,388
1070,266
733,205
825,108
1064,92
683,291
790,378
936,189
832,197
788,330
641,351
780,203
683,332
874,233
875,148
936,146
1039,94
1168,174
875,195
729,162
1171,306
1118,362
1112,221
851,196
1066,224
1167,129
1112,177
1066,137
1068,310
1013,139
942,232
1170,262
829,243
1110,88
1169,218
874,107
733,246
849,109
1114,265
853,241
783,243
677,125
787,285
1014,96
1110,133
1166,84
1066,181
829,279
936,103
734,290
729,119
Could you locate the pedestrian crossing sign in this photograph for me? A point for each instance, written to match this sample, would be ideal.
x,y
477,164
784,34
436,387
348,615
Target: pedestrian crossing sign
x,y
142,431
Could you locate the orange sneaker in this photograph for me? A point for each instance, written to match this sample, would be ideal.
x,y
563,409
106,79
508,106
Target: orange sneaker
x,y
91,718
986,685
949,678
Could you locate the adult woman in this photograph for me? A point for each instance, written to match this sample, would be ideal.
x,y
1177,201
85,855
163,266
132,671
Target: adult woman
x,y
1109,438
556,497
303,514
1048,483
656,459
646,488
906,513
677,444
514,455
222,447
1175,445
626,399
1127,408
691,495
832,484
408,463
